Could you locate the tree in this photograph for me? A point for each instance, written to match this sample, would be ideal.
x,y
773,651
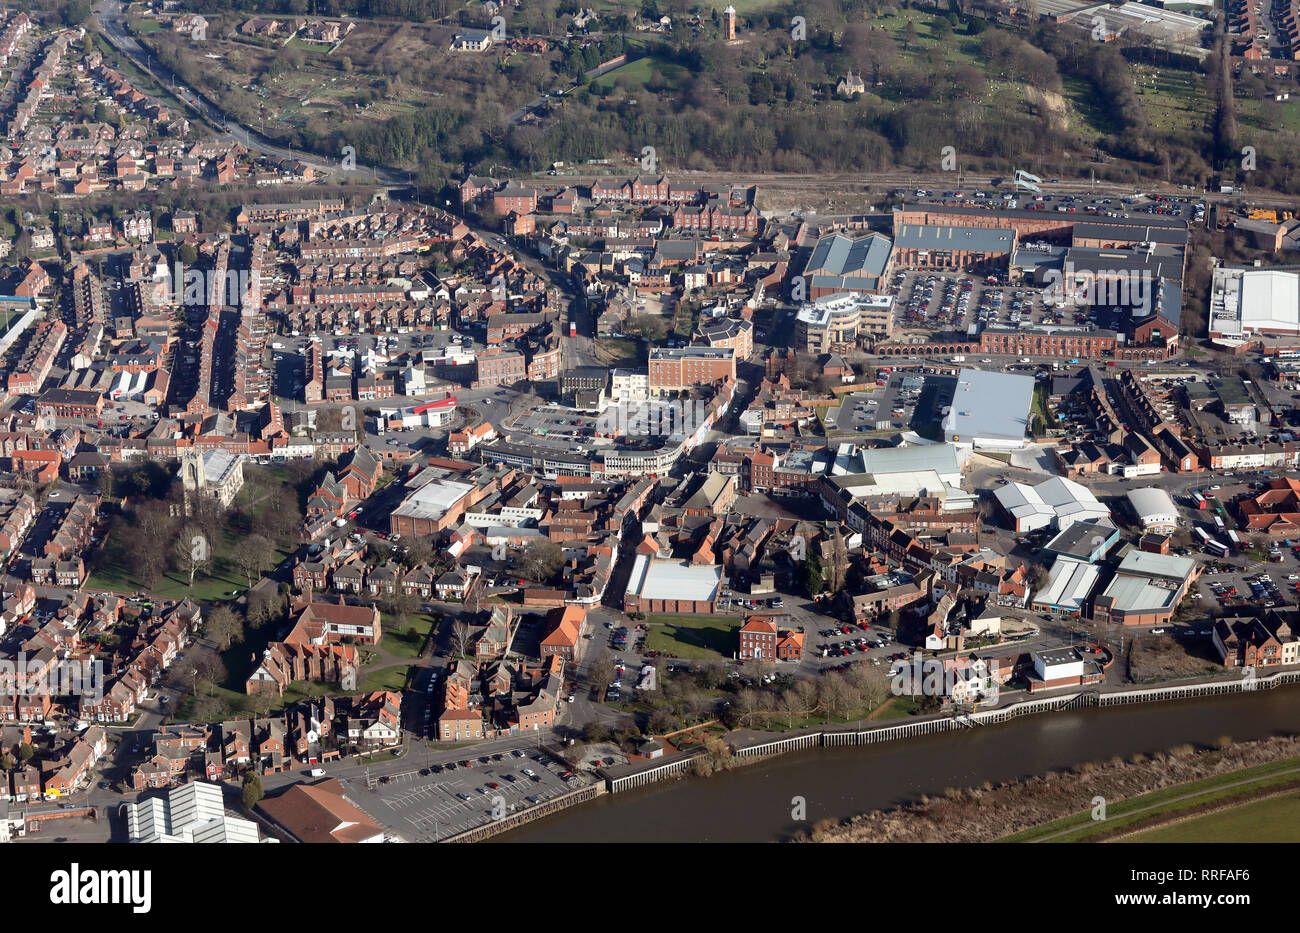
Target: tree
x,y
870,683
461,637
209,708
418,551
191,551
223,627
25,752
256,556
188,254
263,606
602,670
813,576
542,561
832,694
400,605
253,791
909,35
837,562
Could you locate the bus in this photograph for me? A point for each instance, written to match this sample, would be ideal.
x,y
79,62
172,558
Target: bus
x,y
1199,500
1218,523
1217,548
1235,541
1200,533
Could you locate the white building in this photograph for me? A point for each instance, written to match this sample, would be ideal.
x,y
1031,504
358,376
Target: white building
x,y
990,410
191,813
1154,509
629,385
1244,302
1057,502
1069,586
1060,665
212,474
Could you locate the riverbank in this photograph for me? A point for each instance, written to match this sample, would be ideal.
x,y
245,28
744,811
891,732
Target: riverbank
x,y
843,774
1090,795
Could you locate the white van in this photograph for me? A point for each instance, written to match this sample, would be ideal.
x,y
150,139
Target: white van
x,y
316,772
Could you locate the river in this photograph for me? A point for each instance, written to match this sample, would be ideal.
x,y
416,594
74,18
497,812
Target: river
x,y
753,803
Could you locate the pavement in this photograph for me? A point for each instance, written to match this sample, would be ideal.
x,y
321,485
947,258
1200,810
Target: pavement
x,y
439,800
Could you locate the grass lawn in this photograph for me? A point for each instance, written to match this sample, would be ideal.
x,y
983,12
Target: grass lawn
x,y
1274,820
1120,813
902,708
687,636
853,719
1172,99
388,678
395,641
637,73
142,26
618,351
304,689
220,579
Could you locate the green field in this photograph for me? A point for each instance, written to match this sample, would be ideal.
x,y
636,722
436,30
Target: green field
x,y
1173,100
1079,826
688,636
388,678
1274,820
636,74
395,641
223,579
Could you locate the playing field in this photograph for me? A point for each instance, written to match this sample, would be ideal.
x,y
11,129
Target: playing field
x,y
686,636
1274,820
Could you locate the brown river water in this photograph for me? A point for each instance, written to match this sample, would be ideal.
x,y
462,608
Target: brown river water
x,y
754,803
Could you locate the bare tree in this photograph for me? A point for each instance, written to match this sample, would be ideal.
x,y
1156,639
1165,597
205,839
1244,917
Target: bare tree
x,y
833,694
192,551
461,637
223,627
256,555
542,560
870,683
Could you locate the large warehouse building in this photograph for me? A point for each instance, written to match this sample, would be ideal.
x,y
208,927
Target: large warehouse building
x,y
1247,302
1057,502
843,264
659,585
990,410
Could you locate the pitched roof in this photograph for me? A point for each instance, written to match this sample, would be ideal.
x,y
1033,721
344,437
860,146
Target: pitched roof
x,y
320,813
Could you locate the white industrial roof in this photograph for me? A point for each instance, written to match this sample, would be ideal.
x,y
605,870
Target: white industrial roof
x,y
217,464
1058,497
1270,300
1148,563
941,458
192,813
433,500
1070,584
989,405
1151,503
1022,501
674,579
